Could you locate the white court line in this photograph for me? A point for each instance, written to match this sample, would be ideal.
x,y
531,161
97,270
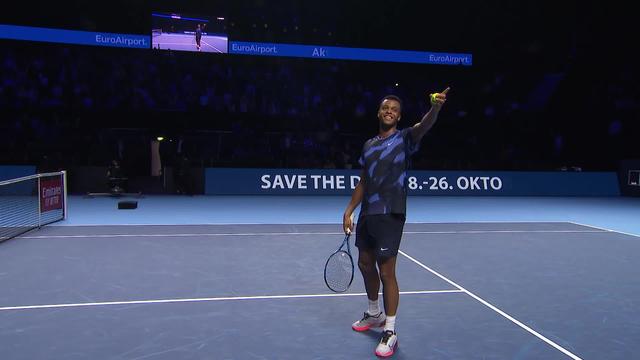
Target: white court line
x,y
181,43
500,231
306,233
604,229
492,307
209,45
60,224
229,298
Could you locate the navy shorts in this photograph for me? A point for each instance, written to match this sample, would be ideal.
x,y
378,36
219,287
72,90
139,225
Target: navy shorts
x,y
381,233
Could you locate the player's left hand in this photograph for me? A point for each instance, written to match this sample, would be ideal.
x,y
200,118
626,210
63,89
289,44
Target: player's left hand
x,y
438,99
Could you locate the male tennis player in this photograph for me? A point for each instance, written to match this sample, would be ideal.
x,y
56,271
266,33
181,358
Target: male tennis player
x,y
382,190
198,36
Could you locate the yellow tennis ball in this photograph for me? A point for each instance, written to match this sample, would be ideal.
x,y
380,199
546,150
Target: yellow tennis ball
x,y
434,98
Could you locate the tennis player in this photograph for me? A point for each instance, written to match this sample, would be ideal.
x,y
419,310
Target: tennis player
x,y
198,36
382,191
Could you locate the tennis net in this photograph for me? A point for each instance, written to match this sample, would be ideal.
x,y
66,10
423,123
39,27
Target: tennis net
x,y
32,201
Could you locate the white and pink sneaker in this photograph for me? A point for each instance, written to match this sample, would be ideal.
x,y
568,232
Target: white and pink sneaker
x,y
388,344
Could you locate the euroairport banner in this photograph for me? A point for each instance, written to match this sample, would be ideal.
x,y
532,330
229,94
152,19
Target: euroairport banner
x,y
344,53
140,41
28,33
228,181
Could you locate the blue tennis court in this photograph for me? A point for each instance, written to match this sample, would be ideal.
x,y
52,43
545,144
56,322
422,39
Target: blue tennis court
x,y
483,289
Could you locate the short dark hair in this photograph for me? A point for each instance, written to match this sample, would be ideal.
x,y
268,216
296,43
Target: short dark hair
x,y
391,97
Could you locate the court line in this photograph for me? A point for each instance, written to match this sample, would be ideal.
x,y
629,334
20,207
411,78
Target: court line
x,y
180,43
306,223
305,233
494,308
206,43
228,298
326,223
604,229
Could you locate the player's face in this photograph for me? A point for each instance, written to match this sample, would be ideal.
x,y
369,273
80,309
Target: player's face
x,y
389,112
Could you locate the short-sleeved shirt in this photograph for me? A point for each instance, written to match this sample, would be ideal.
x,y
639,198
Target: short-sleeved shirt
x,y
385,162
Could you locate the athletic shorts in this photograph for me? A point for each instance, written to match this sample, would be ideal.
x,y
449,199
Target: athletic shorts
x,y
381,233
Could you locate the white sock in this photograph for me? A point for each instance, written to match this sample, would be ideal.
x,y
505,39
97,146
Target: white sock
x,y
374,307
390,324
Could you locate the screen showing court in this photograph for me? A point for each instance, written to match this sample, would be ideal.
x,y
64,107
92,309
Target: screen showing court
x,y
187,32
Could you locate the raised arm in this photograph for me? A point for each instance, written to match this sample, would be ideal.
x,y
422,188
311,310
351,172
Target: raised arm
x,y
421,128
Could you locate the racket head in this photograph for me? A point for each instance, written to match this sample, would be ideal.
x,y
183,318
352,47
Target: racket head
x,y
338,271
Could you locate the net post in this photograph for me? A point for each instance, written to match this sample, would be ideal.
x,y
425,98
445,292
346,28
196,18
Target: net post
x,y
39,209
64,196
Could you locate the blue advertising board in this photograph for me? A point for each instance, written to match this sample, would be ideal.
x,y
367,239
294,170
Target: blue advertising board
x,y
347,53
29,33
221,181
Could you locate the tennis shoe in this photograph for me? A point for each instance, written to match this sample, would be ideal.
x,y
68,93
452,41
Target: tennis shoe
x,y
369,321
388,344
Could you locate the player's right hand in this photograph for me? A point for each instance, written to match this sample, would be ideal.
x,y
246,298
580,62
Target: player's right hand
x,y
347,223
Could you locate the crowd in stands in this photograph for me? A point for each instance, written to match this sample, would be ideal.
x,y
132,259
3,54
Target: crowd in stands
x,y
65,106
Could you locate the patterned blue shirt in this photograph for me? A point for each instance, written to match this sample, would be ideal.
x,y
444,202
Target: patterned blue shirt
x,y
385,162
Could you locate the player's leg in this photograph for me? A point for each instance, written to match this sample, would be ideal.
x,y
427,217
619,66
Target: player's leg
x,y
367,266
389,236
390,290
373,317
391,295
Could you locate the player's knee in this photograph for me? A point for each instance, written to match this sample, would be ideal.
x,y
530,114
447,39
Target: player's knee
x,y
387,275
366,266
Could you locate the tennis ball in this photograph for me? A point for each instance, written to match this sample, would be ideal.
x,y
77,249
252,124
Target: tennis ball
x,y
434,98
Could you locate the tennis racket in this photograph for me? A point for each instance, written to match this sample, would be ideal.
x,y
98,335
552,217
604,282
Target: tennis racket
x,y
338,270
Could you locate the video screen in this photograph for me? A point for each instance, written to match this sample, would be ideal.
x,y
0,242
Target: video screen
x,y
181,32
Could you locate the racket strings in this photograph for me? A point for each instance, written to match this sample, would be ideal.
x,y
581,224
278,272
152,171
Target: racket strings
x,y
339,271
